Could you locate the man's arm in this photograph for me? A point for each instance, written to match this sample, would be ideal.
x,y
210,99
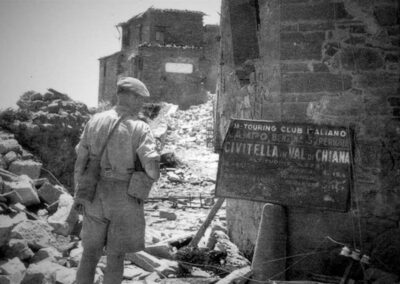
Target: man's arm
x,y
148,154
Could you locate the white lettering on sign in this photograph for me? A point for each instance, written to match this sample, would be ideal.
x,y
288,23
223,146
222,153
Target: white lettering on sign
x,y
183,68
332,156
251,149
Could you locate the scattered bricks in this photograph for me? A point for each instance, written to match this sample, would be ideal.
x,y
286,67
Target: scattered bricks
x,y
7,223
14,270
168,215
18,248
25,192
10,157
9,145
26,167
358,59
322,11
36,233
49,193
314,82
387,16
50,254
132,271
302,46
64,220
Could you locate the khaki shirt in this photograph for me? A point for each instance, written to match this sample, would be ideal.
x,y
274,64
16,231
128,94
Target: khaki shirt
x,y
131,139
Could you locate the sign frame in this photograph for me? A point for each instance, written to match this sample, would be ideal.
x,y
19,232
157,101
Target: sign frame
x,y
345,197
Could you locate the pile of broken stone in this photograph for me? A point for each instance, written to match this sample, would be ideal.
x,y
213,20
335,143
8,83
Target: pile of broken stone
x,y
39,231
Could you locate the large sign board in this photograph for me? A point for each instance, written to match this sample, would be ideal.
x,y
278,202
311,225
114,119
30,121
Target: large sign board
x,y
291,164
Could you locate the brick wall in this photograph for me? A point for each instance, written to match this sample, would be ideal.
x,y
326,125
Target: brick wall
x,y
328,62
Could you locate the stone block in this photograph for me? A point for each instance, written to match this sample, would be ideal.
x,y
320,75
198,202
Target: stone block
x,y
53,107
377,80
65,218
296,45
25,191
26,167
168,215
9,145
322,11
355,58
7,223
14,269
49,193
294,111
43,272
315,82
48,254
153,264
387,16
75,255
162,250
10,157
36,233
132,271
18,248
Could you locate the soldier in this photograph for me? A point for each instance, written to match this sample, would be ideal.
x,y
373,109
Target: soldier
x,y
114,219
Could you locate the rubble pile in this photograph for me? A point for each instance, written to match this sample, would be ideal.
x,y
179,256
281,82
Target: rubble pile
x,y
188,163
49,125
36,220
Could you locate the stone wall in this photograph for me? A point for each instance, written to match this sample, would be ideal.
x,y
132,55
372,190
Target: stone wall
x,y
109,70
328,62
177,88
180,27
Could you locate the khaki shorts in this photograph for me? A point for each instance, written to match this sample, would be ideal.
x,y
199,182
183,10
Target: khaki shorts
x,y
114,219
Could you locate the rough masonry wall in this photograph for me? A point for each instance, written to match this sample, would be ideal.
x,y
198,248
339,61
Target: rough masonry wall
x,y
328,62
109,69
181,89
181,28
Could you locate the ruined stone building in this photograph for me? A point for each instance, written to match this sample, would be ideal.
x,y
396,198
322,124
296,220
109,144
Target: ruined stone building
x,y
330,62
171,51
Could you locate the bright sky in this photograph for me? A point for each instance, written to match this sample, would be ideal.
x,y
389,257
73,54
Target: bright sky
x,y
57,43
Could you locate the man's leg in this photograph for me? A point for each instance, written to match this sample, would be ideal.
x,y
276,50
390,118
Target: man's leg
x,y
87,266
93,234
114,269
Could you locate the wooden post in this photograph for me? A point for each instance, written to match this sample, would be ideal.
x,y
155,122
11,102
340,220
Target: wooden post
x,y
204,226
270,245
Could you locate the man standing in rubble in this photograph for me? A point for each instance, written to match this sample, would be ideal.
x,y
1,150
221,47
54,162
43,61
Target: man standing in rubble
x,y
115,217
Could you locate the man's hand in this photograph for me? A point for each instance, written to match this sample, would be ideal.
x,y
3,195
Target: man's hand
x,y
78,206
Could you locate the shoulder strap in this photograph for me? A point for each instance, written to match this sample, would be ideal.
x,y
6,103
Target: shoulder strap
x,y
109,136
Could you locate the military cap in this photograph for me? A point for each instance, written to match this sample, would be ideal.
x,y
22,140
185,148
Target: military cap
x,y
132,85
